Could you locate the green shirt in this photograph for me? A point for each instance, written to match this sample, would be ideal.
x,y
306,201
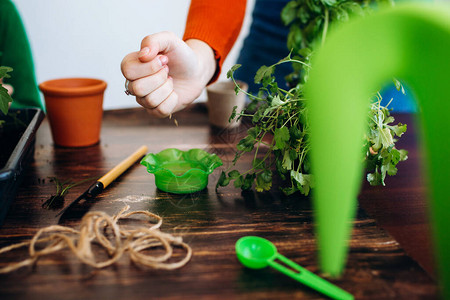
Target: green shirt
x,y
15,52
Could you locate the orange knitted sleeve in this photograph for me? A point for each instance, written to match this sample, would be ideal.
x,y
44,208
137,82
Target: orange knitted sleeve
x,y
217,23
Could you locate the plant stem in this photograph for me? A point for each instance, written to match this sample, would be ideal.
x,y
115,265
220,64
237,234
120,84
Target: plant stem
x,y
259,144
290,118
239,87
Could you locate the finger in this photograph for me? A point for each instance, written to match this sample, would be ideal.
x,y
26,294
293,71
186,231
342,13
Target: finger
x,y
158,43
133,69
145,54
156,97
166,108
143,86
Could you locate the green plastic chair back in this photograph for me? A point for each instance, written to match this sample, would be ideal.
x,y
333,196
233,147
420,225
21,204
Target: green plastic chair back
x,y
410,42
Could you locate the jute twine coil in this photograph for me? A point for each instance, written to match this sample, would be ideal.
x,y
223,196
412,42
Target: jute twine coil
x,y
94,228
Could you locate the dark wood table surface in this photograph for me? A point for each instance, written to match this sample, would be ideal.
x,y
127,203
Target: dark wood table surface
x,y
389,255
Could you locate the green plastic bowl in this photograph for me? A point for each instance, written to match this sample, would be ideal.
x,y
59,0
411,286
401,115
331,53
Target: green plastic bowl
x,y
181,172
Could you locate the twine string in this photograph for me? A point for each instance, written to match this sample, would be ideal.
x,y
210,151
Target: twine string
x,y
103,230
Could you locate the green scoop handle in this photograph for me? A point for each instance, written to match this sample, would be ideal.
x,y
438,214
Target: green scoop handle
x,y
256,253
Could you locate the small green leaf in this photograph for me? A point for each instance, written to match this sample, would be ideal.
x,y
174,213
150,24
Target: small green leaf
x,y
394,156
403,155
254,131
279,166
289,190
303,179
248,181
256,116
276,101
234,174
328,2
4,72
266,176
399,86
313,29
246,144
304,183
233,114
376,140
295,133
239,181
5,99
303,14
399,129
232,70
287,162
293,154
353,8
389,168
374,178
223,180
288,12
294,38
262,73
314,6
281,136
305,53
341,15
264,181
386,137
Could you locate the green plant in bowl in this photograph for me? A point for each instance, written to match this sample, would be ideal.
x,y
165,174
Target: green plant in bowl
x,y
181,172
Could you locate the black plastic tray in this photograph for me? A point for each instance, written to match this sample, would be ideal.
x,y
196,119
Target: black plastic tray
x,y
18,135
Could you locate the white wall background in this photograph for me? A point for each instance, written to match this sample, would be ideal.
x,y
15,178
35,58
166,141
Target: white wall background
x,y
89,38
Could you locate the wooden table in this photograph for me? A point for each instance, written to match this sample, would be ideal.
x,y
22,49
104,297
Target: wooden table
x,y
389,248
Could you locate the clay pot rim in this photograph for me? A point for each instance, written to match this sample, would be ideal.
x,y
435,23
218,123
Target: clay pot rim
x,y
74,86
226,87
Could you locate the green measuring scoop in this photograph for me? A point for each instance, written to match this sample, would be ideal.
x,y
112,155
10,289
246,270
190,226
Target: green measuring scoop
x,y
257,253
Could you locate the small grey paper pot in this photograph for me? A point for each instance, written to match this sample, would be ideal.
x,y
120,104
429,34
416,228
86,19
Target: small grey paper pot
x,y
221,100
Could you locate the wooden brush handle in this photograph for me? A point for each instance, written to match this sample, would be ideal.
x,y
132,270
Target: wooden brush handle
x,y
122,166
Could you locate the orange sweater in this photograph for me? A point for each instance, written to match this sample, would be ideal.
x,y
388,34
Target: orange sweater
x,y
217,23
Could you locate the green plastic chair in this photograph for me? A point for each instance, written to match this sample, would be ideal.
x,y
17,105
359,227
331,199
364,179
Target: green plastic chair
x,y
410,42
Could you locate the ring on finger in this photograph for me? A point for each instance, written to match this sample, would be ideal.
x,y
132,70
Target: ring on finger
x,y
127,91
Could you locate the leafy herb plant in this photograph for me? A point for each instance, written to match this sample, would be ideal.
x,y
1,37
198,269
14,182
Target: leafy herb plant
x,y
5,98
279,135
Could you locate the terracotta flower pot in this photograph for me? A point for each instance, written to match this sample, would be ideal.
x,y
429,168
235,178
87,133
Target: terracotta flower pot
x,y
221,100
74,110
